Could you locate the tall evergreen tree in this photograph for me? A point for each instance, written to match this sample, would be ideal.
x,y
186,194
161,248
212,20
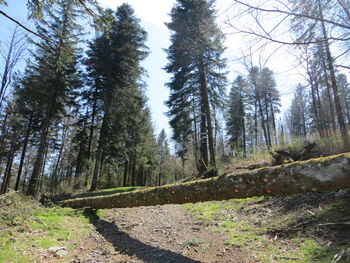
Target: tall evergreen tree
x,y
163,153
114,63
55,74
298,116
235,123
198,82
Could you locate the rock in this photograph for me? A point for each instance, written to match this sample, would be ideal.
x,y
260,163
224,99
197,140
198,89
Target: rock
x,y
54,249
61,253
58,251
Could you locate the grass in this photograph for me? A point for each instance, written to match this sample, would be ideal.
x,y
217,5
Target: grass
x,y
27,228
280,229
194,242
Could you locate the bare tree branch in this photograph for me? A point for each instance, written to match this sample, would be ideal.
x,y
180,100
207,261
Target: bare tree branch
x,y
32,32
276,10
293,43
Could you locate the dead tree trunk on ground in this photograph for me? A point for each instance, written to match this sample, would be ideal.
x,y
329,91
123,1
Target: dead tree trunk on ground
x,y
329,173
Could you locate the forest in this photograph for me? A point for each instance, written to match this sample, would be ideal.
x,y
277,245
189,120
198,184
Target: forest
x,y
76,117
252,168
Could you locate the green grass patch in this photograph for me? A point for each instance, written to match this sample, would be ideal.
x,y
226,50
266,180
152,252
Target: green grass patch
x,y
279,229
29,228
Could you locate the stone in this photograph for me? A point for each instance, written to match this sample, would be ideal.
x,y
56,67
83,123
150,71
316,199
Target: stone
x,y
58,251
61,253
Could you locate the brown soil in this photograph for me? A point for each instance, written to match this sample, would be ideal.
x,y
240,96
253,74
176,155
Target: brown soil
x,y
152,234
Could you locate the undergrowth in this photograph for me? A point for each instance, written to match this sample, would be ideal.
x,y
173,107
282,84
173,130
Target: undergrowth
x,y
27,229
281,229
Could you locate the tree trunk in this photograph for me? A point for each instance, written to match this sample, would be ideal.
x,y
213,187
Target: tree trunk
x,y
7,175
204,161
33,181
206,112
323,124
55,173
100,148
126,169
268,130
23,155
322,174
256,123
93,116
314,105
262,118
244,138
329,97
338,107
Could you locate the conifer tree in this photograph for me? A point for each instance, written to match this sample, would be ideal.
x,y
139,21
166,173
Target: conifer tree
x,y
114,62
235,122
198,82
55,74
163,153
298,121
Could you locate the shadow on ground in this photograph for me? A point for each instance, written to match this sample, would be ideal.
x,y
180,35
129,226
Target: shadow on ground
x,y
130,246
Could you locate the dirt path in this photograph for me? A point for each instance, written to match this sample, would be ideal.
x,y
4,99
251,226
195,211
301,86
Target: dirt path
x,y
153,234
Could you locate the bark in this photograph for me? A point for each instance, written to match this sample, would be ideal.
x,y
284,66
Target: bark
x,y
268,130
262,120
328,173
205,110
100,148
33,181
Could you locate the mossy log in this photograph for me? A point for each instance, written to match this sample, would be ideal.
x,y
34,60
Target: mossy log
x,y
327,173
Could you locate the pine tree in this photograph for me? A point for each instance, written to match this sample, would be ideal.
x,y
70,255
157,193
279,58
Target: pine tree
x,y
55,74
163,153
198,82
235,122
298,120
265,98
114,64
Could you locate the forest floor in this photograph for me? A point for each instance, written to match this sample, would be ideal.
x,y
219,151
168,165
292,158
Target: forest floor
x,y
300,228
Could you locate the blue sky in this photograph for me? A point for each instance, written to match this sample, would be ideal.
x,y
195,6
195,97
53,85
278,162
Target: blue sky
x,y
153,15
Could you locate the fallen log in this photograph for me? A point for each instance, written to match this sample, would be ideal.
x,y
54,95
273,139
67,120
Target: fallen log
x,y
327,173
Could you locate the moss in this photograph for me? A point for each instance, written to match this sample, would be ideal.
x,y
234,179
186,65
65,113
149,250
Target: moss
x,y
285,179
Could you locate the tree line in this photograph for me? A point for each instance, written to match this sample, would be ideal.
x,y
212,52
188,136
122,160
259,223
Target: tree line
x,y
77,116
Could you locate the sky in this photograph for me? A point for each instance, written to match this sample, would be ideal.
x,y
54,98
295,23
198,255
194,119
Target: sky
x,y
153,15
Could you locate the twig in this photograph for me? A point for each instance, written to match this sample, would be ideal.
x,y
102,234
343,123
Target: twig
x,y
287,258
291,13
